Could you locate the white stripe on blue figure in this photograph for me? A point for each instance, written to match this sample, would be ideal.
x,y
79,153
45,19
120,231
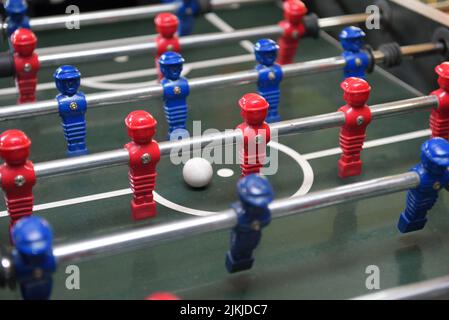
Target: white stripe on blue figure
x,y
176,90
253,214
434,175
72,109
270,76
33,257
16,12
358,59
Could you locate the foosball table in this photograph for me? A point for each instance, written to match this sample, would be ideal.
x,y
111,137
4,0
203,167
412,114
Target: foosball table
x,y
153,148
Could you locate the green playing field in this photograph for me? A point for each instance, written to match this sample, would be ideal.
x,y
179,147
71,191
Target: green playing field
x,y
322,254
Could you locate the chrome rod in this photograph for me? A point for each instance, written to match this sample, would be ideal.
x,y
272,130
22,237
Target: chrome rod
x,y
232,79
109,98
349,19
130,49
153,235
414,50
124,14
300,125
48,57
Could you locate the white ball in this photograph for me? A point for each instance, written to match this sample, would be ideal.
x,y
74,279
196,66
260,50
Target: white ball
x,y
197,172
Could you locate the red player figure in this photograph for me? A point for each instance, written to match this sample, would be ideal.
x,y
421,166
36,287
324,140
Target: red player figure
x,y
144,154
352,134
17,174
255,131
294,30
439,118
162,296
26,63
167,40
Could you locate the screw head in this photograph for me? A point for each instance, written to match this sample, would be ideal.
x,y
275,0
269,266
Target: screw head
x,y
145,158
19,180
27,67
295,34
360,120
170,47
177,90
271,76
436,186
358,62
73,106
38,273
255,225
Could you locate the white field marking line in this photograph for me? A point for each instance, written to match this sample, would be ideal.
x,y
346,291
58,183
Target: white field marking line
x,y
303,189
372,143
225,27
87,82
310,156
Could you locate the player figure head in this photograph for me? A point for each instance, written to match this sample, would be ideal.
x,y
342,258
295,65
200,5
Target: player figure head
x,y
352,39
294,11
435,155
253,108
141,126
16,9
14,147
67,80
356,91
166,24
171,65
33,239
266,51
24,42
255,193
443,75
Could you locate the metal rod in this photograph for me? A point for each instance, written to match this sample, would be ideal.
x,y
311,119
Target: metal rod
x,y
313,123
116,97
48,57
124,14
187,42
414,50
348,19
232,79
437,288
153,235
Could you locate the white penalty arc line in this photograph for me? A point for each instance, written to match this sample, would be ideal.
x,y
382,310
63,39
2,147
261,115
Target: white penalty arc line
x,y
309,156
225,27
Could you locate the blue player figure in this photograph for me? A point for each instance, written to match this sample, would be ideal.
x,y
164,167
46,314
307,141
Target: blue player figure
x,y
434,175
253,214
72,109
16,11
186,13
270,76
33,257
176,90
358,60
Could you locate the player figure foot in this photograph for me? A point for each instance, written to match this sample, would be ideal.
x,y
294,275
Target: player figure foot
x,y
143,211
405,225
236,266
349,169
76,153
